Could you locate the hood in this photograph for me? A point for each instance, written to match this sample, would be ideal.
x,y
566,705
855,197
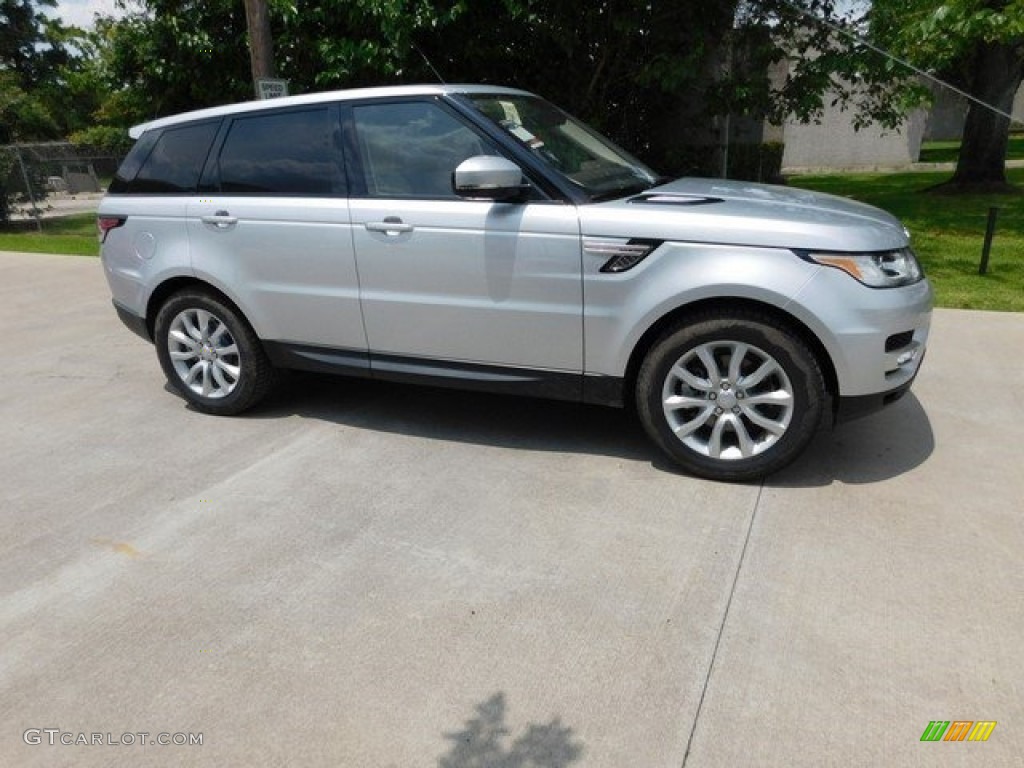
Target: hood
x,y
742,213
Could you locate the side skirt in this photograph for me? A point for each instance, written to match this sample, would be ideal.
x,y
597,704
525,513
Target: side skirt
x,y
527,382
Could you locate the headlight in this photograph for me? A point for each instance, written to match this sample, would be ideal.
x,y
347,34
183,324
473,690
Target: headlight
x,y
885,269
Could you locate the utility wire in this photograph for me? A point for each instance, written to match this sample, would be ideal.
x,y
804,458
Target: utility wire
x,y
868,44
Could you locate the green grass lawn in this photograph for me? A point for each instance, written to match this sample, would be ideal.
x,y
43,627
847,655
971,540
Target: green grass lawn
x,y
949,151
948,233
73,235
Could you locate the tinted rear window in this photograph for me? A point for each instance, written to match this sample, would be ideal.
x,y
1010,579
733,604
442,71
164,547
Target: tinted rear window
x,y
286,153
166,162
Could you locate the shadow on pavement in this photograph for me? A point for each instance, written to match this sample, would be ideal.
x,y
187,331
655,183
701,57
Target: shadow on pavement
x,y
460,416
869,450
482,742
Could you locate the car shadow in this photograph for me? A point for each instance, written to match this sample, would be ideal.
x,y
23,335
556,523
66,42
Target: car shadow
x,y
870,450
460,416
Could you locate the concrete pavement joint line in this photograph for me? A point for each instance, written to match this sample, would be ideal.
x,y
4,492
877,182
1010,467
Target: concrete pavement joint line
x,y
721,627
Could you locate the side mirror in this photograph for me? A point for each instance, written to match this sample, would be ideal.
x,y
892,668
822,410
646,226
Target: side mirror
x,y
486,177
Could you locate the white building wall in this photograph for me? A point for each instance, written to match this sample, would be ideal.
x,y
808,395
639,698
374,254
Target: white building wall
x,y
834,144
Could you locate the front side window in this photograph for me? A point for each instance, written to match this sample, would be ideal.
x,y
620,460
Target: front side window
x,y
411,149
173,164
567,146
286,153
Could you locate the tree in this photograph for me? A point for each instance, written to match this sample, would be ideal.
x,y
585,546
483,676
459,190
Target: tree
x,y
980,45
31,45
34,52
650,74
261,44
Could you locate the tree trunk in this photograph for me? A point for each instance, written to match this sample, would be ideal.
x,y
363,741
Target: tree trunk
x,y
261,44
996,78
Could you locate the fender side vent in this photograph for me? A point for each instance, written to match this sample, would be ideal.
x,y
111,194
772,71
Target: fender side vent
x,y
621,255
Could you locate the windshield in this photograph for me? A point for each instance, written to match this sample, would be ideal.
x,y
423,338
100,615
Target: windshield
x,y
578,153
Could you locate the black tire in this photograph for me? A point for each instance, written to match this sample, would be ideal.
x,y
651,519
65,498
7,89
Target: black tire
x,y
210,354
761,425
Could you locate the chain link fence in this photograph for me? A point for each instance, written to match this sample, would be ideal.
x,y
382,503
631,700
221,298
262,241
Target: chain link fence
x,y
42,180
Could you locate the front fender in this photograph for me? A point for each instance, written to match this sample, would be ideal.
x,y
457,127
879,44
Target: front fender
x,y
620,308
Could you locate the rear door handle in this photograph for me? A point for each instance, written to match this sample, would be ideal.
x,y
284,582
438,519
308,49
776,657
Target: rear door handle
x,y
221,220
392,226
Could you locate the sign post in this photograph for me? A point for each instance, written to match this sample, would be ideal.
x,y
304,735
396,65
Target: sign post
x,y
271,88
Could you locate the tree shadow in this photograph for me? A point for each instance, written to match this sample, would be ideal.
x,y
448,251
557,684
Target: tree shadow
x,y
483,742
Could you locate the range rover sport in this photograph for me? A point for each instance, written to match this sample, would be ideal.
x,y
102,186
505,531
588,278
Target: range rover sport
x,y
480,237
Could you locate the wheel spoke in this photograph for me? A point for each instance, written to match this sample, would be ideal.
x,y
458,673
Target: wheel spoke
x,y
687,428
231,370
227,351
185,340
219,329
710,365
715,441
692,381
769,425
195,370
185,354
203,323
677,402
189,324
778,397
742,436
207,379
218,377
739,353
755,378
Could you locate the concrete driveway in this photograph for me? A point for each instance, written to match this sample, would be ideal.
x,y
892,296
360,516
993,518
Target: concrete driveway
x,y
362,575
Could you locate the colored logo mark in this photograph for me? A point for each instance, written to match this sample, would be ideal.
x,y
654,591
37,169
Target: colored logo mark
x,y
958,730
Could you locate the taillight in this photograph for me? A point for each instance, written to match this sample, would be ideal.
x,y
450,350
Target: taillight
x,y
106,223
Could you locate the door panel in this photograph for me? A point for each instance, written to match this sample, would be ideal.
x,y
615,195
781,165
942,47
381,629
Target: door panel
x,y
442,277
274,227
480,282
287,261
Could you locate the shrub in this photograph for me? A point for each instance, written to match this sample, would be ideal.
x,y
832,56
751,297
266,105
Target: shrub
x,y
103,139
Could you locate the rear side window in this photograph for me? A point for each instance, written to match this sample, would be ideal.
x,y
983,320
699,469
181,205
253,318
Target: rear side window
x,y
166,162
285,153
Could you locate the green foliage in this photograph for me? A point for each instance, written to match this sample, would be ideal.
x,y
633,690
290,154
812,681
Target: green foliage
x,y
45,86
102,139
637,70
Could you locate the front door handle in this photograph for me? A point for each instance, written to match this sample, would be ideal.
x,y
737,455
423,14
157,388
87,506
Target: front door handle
x,y
392,226
221,220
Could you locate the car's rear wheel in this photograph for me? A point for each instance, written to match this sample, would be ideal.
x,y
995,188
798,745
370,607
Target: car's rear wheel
x,y
731,395
210,354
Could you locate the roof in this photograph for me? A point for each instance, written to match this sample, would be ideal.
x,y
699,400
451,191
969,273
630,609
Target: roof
x,y
319,98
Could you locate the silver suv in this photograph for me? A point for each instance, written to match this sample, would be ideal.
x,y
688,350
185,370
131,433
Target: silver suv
x,y
480,237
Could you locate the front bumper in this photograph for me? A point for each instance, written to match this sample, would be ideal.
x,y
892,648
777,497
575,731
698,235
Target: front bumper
x,y
856,407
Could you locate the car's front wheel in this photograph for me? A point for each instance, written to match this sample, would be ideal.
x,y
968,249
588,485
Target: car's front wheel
x,y
210,354
731,395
